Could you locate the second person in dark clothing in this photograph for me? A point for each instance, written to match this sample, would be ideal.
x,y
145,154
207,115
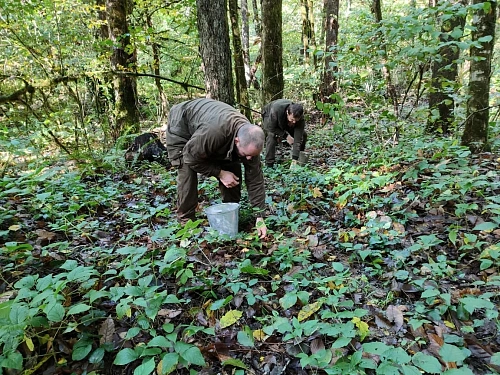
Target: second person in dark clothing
x,y
282,119
212,138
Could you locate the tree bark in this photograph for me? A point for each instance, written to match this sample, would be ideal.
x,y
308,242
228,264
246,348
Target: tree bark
x,y
215,49
386,72
163,105
331,27
245,39
126,119
239,65
475,134
272,51
444,75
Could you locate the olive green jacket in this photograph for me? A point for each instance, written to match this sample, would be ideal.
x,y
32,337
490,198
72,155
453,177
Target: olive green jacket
x,y
274,120
202,133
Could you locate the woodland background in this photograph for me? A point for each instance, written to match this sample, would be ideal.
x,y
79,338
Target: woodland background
x,y
382,255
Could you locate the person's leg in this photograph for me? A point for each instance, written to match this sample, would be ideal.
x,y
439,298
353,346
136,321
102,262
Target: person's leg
x,y
304,141
231,194
270,149
187,192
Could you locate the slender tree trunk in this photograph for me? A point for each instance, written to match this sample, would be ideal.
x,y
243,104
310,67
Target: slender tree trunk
x,y
391,90
245,39
163,105
258,31
239,65
475,134
215,49
444,75
272,51
329,81
126,114
306,30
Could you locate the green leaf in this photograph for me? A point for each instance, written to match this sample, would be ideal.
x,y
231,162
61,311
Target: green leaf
x,y
495,359
160,341
54,311
410,370
288,300
169,363
486,226
14,360
397,355
190,353
459,371
375,347
18,313
125,356
216,305
234,362
341,342
452,353
96,294
245,337
427,363
79,308
132,332
146,368
81,349
97,355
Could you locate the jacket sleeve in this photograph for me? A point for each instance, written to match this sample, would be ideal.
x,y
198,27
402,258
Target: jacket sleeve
x,y
197,153
254,180
298,138
271,121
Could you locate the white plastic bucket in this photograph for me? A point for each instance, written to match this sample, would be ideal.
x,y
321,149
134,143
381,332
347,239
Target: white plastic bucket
x,y
223,217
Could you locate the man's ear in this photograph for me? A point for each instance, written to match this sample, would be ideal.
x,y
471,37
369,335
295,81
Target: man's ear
x,y
236,141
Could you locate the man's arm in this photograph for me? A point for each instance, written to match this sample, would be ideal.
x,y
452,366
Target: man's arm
x,y
298,138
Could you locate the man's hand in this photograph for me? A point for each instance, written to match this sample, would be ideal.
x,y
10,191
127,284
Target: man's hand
x,y
261,227
289,139
229,179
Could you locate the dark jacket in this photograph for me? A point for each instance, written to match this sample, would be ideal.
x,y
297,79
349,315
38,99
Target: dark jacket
x,y
274,120
202,132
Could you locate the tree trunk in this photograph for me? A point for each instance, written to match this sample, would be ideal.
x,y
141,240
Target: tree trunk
x,y
215,50
331,27
476,125
245,39
391,90
126,115
256,18
444,75
239,65
163,105
258,31
272,51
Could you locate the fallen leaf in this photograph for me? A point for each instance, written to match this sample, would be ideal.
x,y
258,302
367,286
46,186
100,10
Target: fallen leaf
x,y
107,331
230,318
308,310
395,315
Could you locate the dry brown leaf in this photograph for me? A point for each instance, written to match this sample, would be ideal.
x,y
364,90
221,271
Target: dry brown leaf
x,y
317,345
45,235
395,315
313,240
169,313
107,331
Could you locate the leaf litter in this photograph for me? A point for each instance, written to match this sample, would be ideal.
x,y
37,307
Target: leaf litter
x,y
385,264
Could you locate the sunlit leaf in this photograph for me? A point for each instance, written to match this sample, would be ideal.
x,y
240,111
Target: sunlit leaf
x,y
308,310
230,318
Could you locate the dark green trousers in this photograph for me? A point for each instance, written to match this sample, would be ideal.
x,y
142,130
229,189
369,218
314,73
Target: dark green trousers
x,y
187,188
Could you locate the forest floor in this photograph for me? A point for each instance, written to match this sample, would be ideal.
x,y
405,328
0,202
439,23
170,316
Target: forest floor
x,y
381,257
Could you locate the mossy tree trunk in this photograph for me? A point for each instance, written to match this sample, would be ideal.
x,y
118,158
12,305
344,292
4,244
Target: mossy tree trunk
x,y
239,64
123,60
445,72
475,134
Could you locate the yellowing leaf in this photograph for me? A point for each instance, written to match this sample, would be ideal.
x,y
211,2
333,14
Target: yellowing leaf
x,y
308,310
317,193
230,318
449,324
363,329
259,335
29,344
14,227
